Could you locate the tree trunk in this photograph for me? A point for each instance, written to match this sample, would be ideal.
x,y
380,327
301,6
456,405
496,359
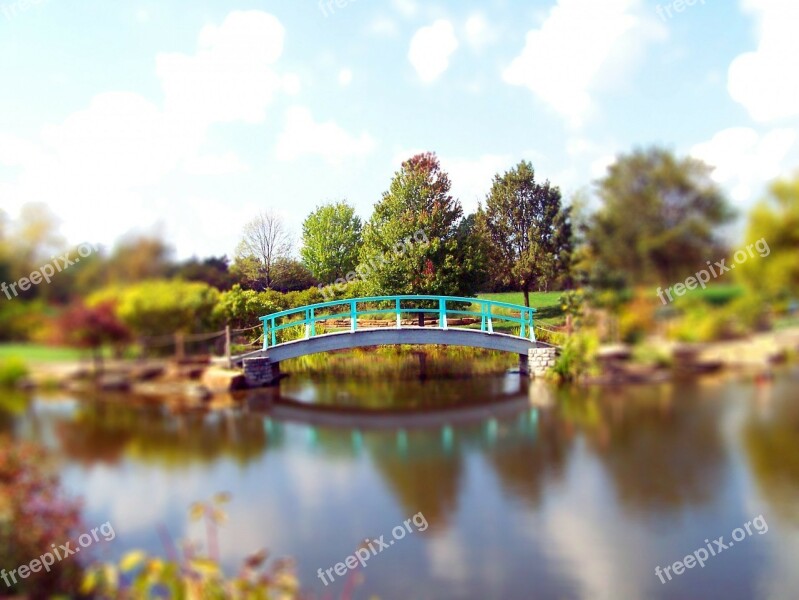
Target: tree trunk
x,y
526,291
97,360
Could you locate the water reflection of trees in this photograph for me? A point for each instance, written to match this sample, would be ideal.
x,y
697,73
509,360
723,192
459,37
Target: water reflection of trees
x,y
106,431
400,395
662,445
423,469
12,404
771,441
529,452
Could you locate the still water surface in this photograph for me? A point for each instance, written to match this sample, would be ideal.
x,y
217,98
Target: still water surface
x,y
551,494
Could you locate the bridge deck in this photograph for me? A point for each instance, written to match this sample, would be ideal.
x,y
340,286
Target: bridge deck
x,y
406,335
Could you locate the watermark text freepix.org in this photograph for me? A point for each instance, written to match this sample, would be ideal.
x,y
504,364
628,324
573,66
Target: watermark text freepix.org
x,y
46,272
12,9
703,554
718,268
677,6
48,559
371,548
328,7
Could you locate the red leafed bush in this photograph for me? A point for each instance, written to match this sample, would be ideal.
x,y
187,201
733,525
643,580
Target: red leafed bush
x,y
34,514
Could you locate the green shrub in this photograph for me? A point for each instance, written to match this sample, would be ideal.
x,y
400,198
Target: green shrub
x,y
701,325
577,357
12,371
242,308
748,313
160,306
652,355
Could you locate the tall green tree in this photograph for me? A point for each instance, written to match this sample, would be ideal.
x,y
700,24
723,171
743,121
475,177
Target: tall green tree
x,y
773,232
659,218
413,243
331,239
529,229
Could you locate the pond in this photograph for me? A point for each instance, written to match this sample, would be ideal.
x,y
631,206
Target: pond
x,y
529,492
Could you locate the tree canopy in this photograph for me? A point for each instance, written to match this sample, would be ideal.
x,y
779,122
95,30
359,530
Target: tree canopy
x,y
658,220
412,244
774,230
528,228
331,239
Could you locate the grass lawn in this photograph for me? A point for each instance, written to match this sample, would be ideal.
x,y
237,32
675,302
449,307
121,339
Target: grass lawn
x,y
547,304
720,294
40,353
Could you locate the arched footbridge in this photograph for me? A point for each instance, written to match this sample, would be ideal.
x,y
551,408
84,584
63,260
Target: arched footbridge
x,y
392,320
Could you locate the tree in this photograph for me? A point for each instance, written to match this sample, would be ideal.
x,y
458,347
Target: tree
x,y
31,240
265,240
331,238
529,229
92,328
213,270
773,231
291,276
139,257
658,218
412,243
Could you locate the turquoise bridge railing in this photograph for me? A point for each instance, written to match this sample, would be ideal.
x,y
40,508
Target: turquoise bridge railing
x,y
313,318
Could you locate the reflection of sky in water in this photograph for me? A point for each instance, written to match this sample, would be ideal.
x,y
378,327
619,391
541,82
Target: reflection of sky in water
x,y
579,497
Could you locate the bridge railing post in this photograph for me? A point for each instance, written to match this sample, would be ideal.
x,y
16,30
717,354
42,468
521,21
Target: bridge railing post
x,y
266,335
399,315
353,317
442,313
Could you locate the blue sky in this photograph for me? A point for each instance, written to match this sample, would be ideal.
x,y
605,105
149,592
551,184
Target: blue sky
x,y
192,117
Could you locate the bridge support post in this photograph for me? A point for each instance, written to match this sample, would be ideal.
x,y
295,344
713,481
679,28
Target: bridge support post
x,y
524,364
540,360
259,372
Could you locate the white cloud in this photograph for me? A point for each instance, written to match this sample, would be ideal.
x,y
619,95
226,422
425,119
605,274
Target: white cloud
x,y
431,48
383,26
99,168
744,160
231,77
472,178
599,166
580,45
16,152
407,8
345,77
304,136
479,32
291,84
766,81
215,164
